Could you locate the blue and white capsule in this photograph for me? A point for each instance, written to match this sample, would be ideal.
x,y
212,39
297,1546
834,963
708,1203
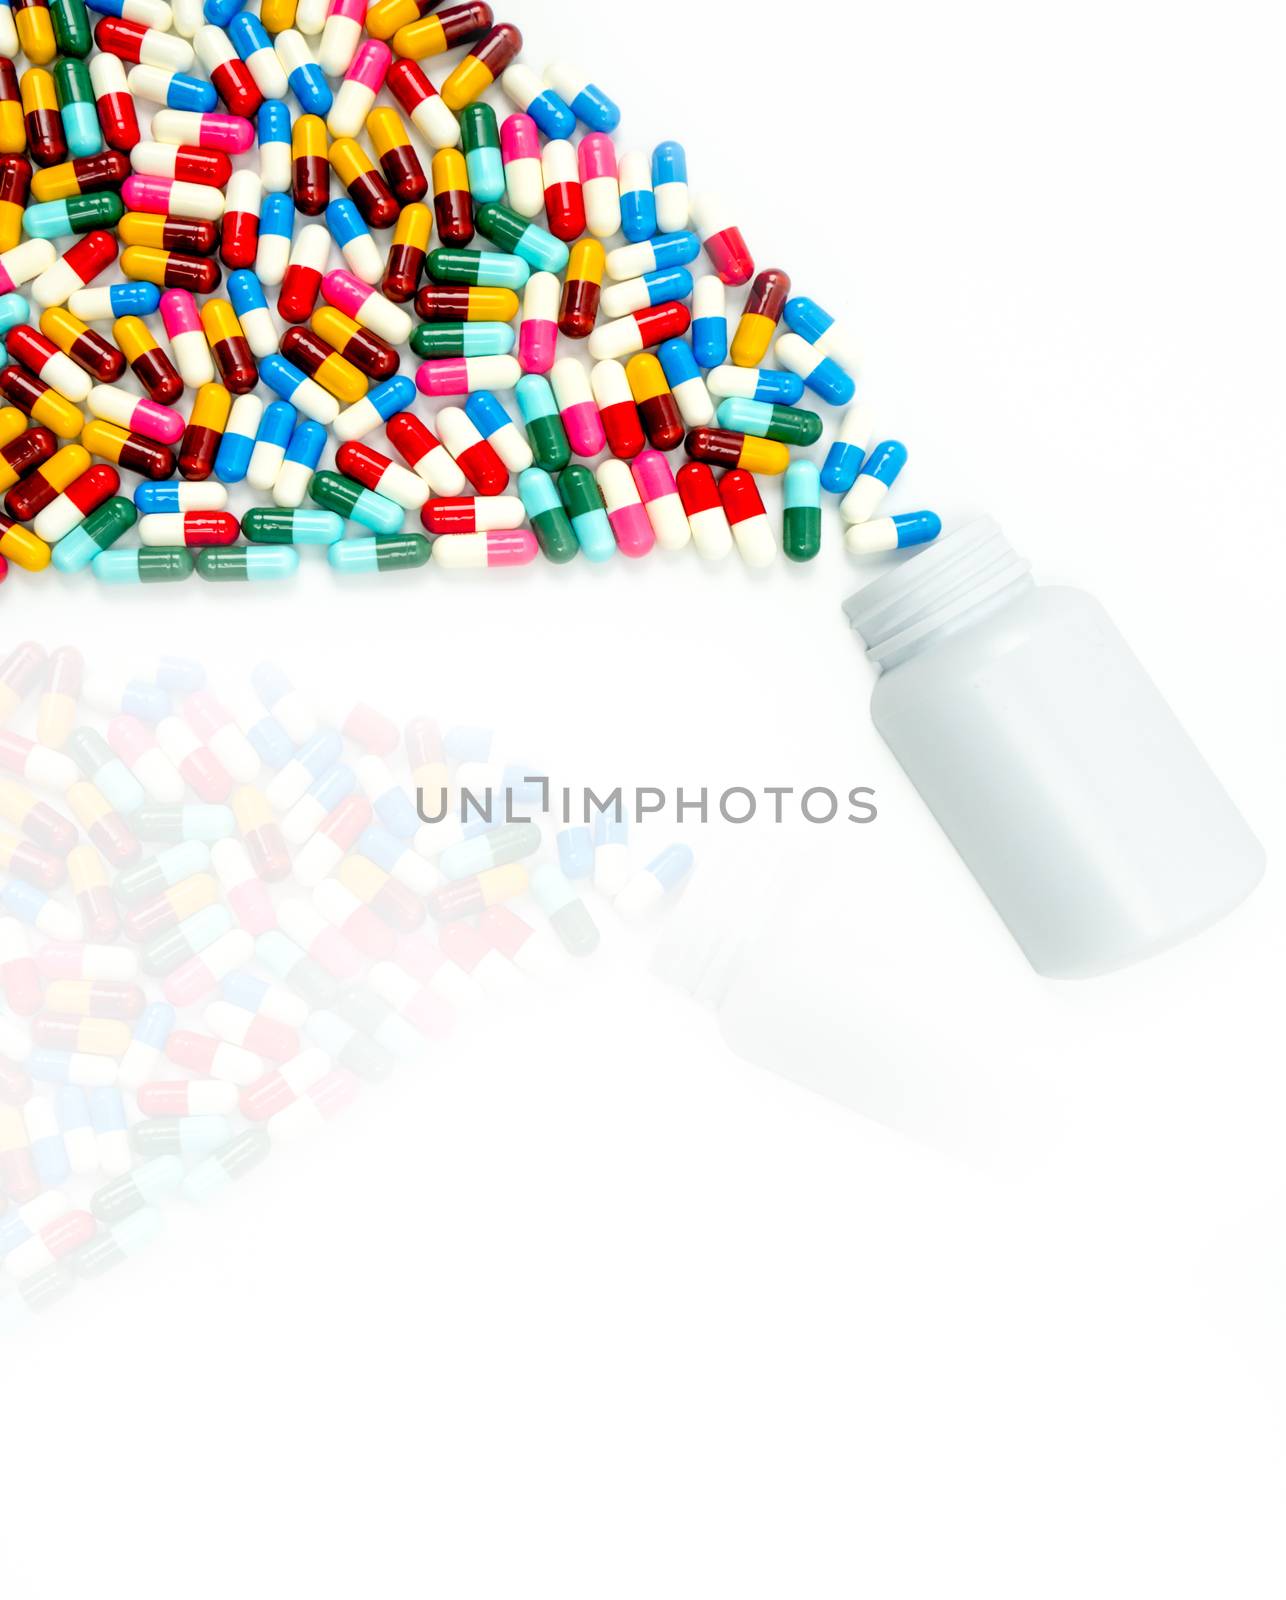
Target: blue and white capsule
x,y
710,321
45,1142
378,405
276,428
670,186
178,90
288,382
686,383
117,300
219,13
306,79
638,200
878,475
79,1139
246,293
251,42
303,454
499,429
822,374
848,451
660,879
587,102
755,383
545,106
891,533
806,318
652,289
651,255
276,234
275,159
357,246
173,497
237,445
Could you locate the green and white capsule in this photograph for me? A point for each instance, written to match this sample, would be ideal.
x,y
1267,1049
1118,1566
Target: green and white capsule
x,y
99,531
276,525
348,499
245,564
389,553
142,566
762,420
802,523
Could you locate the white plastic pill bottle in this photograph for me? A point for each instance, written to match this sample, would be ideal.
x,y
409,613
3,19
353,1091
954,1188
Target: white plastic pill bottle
x,y
1047,754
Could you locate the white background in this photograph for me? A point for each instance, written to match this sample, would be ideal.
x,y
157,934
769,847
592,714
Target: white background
x,y
596,1308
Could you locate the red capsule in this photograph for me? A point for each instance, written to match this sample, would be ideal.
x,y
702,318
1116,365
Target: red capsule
x,y
370,194
107,170
240,239
30,497
25,453
565,209
15,180
402,272
202,529
367,351
624,429
236,363
45,137
97,355
306,349
697,488
578,308
189,235
740,495
310,184
140,454
119,37
117,117
199,275
236,88
363,464
404,174
197,450
91,254
31,348
194,164
23,388
662,421
156,372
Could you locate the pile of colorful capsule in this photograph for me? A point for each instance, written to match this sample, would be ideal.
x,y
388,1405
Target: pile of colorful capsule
x,y
527,219
218,921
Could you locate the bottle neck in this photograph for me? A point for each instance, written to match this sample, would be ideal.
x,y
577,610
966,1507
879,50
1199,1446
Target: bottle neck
x,y
952,586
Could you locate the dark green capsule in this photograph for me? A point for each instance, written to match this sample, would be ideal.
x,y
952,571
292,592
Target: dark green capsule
x,y
241,564
763,420
393,552
802,522
432,339
583,503
276,525
99,531
142,566
549,521
473,267
549,444
71,27
225,1166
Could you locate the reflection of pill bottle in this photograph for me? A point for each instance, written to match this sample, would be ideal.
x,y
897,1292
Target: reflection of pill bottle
x,y
1053,764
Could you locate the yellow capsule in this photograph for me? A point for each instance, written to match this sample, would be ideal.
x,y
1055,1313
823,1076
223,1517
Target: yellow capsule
x,y
13,130
144,263
54,183
211,407
386,128
645,377
341,378
277,15
350,161
10,224
65,466
24,548
251,810
62,328
588,261
133,337
414,227
308,137
52,411
12,423
220,322
386,16
425,37
491,305
450,174
36,33
470,80
334,326
750,343
85,870
37,87
763,456
88,804
104,439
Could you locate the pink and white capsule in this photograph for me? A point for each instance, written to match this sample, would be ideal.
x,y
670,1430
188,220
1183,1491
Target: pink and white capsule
x,y
576,406
520,152
356,95
187,338
172,197
340,36
367,306
212,130
660,495
472,551
538,330
600,184
114,404
625,509
464,374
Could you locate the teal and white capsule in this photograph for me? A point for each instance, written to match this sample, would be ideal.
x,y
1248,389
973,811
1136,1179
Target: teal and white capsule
x,y
141,566
348,499
848,450
382,402
784,424
878,475
247,564
891,533
276,427
686,383
662,877
802,512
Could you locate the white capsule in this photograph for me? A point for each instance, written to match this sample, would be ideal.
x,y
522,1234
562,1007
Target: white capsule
x,y
188,16
10,48
207,496
153,85
200,200
310,16
570,383
90,305
381,316
27,260
525,186
340,38
72,382
669,521
673,208
461,552
272,257
631,261
316,403
709,297
357,420
169,125
347,115
437,123
610,341
733,383
292,485
694,402
162,531
619,299
558,163
520,85
711,533
151,13
58,518
456,430
245,193
275,164
153,159
617,486
168,51
754,540
260,331
192,357
403,487
264,66
610,385
512,448
265,464
634,172
213,48
362,257
498,511
61,283
871,538
440,470
602,205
